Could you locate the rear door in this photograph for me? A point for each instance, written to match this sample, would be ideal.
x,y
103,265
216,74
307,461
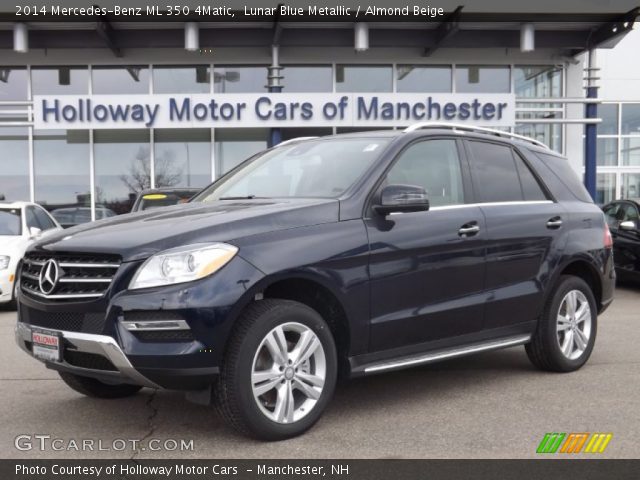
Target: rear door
x,y
524,227
427,268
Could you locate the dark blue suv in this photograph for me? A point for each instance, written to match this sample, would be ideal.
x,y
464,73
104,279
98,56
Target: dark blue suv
x,y
319,258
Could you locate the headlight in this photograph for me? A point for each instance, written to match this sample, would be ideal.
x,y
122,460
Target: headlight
x,y
4,262
183,264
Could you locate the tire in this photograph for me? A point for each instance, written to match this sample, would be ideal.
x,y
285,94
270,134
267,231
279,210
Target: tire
x,y
266,416
97,389
556,329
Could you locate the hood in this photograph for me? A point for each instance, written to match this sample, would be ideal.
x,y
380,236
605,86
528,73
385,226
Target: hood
x,y
136,236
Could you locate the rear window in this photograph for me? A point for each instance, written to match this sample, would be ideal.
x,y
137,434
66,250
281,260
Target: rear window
x,y
10,221
569,178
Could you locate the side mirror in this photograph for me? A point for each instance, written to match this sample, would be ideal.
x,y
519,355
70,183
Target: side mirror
x,y
629,226
34,232
402,199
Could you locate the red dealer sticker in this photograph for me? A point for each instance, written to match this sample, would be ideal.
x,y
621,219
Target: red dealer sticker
x,y
46,345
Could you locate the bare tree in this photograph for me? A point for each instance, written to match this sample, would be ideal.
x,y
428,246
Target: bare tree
x,y
139,177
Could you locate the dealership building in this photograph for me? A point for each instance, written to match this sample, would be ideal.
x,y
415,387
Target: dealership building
x,y
96,109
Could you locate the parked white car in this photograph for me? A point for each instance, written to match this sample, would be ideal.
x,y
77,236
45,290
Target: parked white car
x,y
21,223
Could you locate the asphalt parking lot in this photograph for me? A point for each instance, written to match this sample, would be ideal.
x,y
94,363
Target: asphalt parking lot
x,y
492,405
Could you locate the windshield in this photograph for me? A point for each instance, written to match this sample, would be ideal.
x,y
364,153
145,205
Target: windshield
x,y
10,221
317,168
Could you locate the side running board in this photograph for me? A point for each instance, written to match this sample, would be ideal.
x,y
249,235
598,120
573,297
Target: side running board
x,y
444,354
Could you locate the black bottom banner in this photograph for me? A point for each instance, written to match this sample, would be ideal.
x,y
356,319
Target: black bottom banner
x,y
587,469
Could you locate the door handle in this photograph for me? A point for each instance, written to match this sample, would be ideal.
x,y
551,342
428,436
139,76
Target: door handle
x,y
555,222
469,229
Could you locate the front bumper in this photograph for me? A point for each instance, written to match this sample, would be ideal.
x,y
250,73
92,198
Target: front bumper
x,y
95,332
101,345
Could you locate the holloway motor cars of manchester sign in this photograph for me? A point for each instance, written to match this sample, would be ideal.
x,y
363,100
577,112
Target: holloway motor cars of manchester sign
x,y
270,110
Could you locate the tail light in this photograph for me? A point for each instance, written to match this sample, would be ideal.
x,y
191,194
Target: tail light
x,y
608,240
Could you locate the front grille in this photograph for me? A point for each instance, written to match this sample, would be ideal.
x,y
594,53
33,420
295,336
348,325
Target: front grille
x,y
67,321
88,360
71,277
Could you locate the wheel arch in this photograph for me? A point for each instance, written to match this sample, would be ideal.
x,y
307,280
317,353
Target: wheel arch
x,y
581,268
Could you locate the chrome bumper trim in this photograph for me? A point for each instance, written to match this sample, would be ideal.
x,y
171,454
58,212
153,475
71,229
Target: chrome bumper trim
x,y
90,343
154,325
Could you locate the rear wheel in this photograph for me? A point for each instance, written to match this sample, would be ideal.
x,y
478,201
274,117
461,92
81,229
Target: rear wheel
x,y
97,389
566,332
279,372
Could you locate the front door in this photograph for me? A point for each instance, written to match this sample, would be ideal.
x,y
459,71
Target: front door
x,y
427,268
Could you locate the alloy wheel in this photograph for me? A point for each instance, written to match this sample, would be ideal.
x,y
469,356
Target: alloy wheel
x,y
574,324
288,372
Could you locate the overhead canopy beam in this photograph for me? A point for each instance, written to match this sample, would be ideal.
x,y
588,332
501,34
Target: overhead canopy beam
x,y
447,29
106,32
609,34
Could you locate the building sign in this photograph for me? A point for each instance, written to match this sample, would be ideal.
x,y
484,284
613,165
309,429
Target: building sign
x,y
270,110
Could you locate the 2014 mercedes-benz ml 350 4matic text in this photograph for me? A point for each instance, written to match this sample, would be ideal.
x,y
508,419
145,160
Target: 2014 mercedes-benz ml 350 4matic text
x,y
320,258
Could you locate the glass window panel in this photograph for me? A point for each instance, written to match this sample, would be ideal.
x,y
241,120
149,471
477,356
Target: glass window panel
x,y
539,81
609,114
605,187
13,83
296,132
60,80
480,79
630,151
496,171
607,151
14,174
61,165
362,78
421,78
308,78
182,157
181,79
122,168
235,145
631,119
433,165
238,79
530,187
630,185
549,134
120,80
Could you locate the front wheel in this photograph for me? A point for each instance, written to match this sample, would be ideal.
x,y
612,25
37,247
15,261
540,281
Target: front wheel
x,y
97,389
566,332
279,372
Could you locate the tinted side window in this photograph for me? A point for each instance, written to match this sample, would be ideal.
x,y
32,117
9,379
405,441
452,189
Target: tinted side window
x,y
433,165
563,171
531,189
31,218
631,214
44,220
611,215
496,173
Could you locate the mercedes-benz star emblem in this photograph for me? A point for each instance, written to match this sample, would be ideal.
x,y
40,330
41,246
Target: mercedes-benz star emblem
x,y
49,276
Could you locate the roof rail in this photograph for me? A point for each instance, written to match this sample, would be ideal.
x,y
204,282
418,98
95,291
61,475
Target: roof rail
x,y
292,140
470,128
